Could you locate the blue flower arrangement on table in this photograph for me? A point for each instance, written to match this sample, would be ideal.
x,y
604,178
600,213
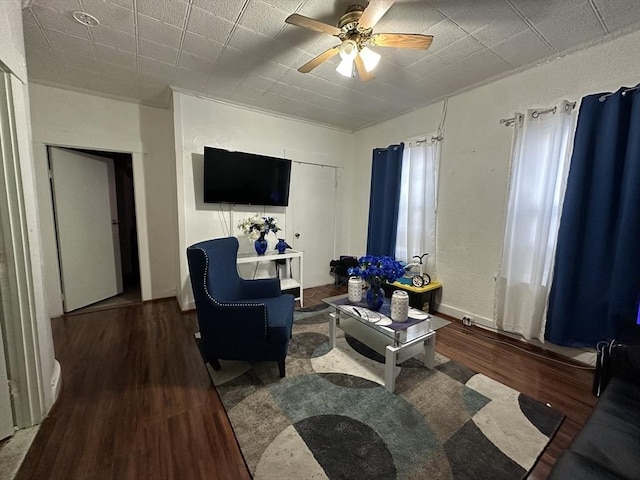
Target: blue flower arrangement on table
x,y
376,270
256,227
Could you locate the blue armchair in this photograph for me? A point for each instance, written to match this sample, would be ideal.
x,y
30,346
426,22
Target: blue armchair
x,y
239,319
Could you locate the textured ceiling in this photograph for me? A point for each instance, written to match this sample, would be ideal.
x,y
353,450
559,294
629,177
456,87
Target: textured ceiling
x,y
241,51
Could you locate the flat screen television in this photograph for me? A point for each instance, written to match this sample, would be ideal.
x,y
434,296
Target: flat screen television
x,y
245,178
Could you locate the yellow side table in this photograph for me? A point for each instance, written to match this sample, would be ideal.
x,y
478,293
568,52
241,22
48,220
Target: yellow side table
x,y
419,297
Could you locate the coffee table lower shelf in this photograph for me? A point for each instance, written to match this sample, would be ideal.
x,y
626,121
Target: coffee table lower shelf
x,y
393,351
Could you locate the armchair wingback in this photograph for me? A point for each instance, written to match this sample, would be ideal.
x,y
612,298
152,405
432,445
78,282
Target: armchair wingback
x,y
239,319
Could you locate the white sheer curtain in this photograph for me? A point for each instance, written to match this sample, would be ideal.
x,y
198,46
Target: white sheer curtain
x,y
543,140
416,233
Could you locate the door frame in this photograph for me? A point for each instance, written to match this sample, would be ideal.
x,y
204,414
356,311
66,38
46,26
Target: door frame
x,y
73,140
7,197
23,316
7,423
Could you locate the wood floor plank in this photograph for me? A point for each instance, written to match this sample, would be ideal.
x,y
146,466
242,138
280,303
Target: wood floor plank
x,y
137,402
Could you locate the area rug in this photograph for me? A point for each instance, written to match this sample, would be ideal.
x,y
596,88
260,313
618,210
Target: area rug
x,y
331,418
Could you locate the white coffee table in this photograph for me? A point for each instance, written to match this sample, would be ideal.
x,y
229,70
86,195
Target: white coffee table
x,y
397,342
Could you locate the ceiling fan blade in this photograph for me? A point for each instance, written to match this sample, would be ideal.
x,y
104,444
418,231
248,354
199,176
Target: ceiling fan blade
x,y
362,72
306,22
402,40
326,55
374,12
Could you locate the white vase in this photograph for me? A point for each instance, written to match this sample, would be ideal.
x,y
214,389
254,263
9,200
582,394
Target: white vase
x,y
354,289
399,306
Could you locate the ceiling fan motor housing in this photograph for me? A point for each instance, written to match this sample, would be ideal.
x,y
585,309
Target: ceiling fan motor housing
x,y
348,23
353,14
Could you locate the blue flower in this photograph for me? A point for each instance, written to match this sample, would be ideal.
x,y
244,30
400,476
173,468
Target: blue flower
x,y
377,269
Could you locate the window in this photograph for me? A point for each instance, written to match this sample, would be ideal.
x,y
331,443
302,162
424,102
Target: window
x,y
541,154
416,231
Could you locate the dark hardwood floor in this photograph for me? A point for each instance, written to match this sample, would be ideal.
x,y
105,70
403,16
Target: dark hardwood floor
x,y
545,376
137,402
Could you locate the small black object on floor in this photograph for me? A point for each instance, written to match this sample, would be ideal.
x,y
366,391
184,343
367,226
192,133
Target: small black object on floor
x,y
340,268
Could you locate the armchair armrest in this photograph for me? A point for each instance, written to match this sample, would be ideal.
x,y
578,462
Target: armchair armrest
x,y
246,320
260,320
260,288
616,360
625,362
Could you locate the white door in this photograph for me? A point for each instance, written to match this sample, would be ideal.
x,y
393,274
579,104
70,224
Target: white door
x,y
314,202
87,227
6,416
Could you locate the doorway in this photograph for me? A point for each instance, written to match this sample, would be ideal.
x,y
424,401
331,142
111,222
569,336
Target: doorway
x,y
314,215
95,226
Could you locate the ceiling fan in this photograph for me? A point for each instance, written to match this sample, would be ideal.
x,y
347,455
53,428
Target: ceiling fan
x,y
355,31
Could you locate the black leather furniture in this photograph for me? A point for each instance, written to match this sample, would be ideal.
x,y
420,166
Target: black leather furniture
x,y
608,446
340,268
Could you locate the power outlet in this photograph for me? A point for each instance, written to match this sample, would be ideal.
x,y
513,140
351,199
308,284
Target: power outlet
x,y
467,320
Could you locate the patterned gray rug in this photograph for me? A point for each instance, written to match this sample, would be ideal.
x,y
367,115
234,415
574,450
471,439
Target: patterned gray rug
x,y
331,418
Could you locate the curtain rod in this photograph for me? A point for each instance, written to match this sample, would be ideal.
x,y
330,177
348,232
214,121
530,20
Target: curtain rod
x,y
440,136
300,162
624,92
425,140
507,122
537,113
284,155
567,107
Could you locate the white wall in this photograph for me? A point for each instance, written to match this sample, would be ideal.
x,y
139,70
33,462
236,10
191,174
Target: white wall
x,y
199,122
473,175
65,118
475,160
11,38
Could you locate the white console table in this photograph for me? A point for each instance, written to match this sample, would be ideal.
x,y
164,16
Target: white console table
x,y
287,283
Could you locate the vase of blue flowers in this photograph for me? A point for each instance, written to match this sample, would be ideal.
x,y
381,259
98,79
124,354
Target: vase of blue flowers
x,y
261,244
374,295
376,270
256,228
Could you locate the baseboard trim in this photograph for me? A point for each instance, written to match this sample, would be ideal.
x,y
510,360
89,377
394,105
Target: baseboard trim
x,y
159,299
585,356
56,380
188,307
458,314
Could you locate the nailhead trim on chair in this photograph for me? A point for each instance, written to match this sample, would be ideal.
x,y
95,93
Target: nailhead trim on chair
x,y
229,305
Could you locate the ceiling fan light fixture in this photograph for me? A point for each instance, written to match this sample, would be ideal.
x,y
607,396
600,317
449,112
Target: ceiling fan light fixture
x,y
86,19
355,30
345,67
348,50
369,58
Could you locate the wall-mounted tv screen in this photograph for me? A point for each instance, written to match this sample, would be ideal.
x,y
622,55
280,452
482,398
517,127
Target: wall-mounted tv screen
x,y
245,178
